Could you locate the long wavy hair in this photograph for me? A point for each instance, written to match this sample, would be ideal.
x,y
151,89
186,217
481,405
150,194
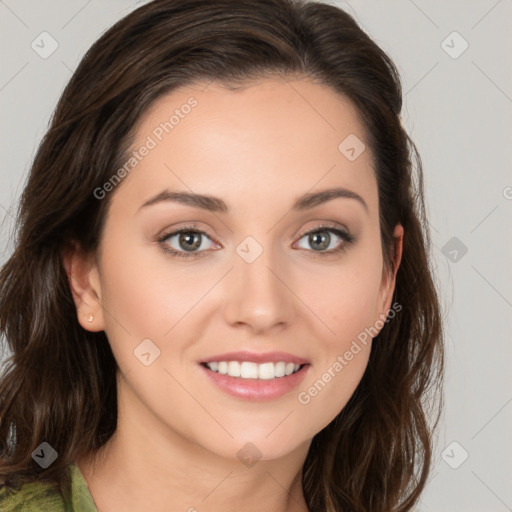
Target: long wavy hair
x,y
59,383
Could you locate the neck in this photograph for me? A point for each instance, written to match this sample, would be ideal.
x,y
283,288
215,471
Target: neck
x,y
148,466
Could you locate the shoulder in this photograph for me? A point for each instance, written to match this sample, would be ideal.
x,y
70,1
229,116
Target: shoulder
x,y
31,497
46,497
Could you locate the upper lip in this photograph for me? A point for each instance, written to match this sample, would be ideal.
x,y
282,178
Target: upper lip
x,y
255,357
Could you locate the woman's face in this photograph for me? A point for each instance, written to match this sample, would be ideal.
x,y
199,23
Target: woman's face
x,y
254,282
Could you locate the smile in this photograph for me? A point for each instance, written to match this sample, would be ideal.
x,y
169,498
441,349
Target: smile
x,y
251,370
255,381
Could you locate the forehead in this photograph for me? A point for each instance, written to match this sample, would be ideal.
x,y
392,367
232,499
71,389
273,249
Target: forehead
x,y
268,137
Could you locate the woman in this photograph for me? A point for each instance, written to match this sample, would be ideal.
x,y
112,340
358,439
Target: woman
x,y
221,290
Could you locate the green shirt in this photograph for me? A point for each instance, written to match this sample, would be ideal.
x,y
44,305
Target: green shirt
x,y
41,497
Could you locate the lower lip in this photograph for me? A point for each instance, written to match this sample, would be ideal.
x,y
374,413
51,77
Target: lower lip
x,y
257,389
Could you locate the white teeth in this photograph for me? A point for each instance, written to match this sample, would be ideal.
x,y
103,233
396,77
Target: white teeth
x,y
266,371
249,370
279,369
234,368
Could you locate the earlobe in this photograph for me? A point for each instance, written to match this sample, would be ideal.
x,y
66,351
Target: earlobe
x,y
84,283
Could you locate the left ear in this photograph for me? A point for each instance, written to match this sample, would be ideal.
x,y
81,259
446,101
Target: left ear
x,y
389,277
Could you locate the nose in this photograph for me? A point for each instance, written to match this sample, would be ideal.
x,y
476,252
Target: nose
x,y
258,296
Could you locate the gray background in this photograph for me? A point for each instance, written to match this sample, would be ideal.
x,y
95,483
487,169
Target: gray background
x,y
458,110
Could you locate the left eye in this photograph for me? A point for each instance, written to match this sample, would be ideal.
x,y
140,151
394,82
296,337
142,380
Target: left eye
x,y
318,237
324,241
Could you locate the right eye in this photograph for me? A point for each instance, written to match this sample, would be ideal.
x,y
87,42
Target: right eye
x,y
188,242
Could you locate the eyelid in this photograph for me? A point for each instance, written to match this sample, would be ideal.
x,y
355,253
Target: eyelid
x,y
325,226
186,228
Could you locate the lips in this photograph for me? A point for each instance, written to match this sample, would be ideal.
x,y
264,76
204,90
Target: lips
x,y
256,389
268,384
254,357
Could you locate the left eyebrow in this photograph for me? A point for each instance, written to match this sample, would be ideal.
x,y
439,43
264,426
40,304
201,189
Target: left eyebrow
x,y
313,199
215,204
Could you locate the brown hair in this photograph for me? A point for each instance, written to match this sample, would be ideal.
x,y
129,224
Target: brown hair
x,y
59,384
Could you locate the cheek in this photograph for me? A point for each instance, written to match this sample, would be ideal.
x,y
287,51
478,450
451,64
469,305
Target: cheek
x,y
145,293
328,389
345,302
346,305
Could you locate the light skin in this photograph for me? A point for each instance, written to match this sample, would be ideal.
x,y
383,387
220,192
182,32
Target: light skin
x,y
258,149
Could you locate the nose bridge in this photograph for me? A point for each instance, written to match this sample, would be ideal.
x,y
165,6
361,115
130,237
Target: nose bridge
x,y
259,298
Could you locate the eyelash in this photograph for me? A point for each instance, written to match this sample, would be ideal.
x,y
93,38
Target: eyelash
x,y
344,235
